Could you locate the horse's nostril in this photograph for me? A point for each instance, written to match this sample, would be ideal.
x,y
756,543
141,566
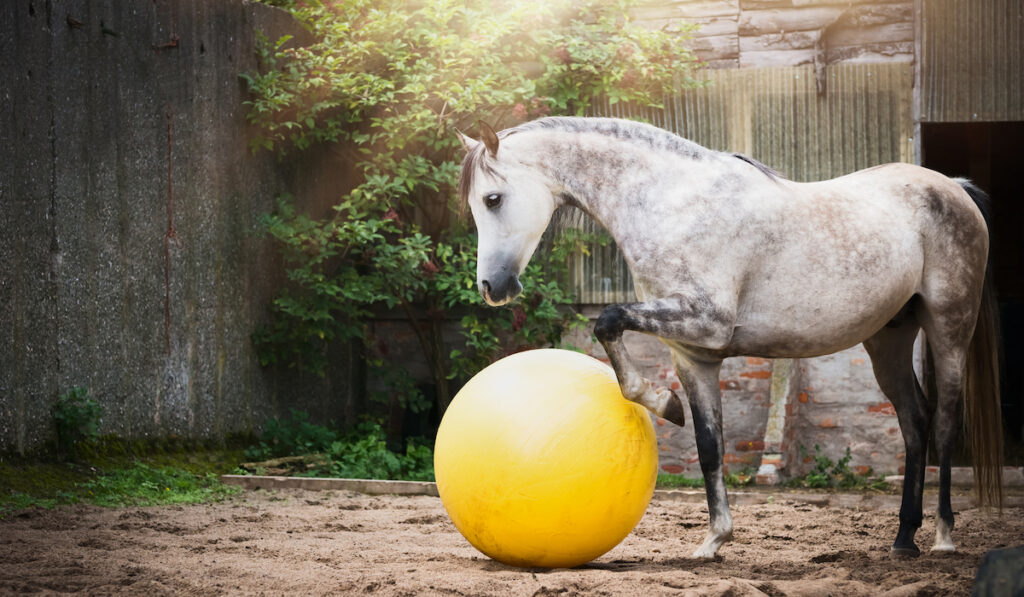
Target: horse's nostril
x,y
486,286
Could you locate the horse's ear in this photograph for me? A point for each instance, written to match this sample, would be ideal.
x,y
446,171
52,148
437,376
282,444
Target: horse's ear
x,y
489,138
468,143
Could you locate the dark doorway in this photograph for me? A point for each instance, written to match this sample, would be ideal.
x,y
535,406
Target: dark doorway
x,y
992,155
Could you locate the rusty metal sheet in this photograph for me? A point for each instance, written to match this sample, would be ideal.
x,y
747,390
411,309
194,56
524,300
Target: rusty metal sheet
x,y
972,60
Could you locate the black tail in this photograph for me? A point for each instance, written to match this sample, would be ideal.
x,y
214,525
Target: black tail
x,y
982,408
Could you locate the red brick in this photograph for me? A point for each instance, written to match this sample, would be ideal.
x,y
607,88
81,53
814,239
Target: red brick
x,y
757,374
675,385
828,424
862,469
675,469
729,384
751,446
756,361
886,408
802,397
732,458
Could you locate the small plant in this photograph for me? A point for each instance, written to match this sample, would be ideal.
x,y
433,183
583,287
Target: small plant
x,y
365,455
78,419
292,436
828,474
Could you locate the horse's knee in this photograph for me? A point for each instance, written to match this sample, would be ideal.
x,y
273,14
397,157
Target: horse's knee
x,y
610,324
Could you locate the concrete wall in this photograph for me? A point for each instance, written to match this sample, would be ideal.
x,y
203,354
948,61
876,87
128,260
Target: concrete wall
x,y
131,259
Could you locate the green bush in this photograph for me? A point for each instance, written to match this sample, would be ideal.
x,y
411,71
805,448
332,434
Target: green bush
x,y
364,455
77,417
293,436
827,474
390,82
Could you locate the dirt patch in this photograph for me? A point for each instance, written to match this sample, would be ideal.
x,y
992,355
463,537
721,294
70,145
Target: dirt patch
x,y
320,543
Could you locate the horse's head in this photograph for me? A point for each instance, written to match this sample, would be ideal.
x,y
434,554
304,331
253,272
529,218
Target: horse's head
x,y
511,204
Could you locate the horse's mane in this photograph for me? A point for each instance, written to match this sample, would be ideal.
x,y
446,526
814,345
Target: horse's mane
x,y
626,130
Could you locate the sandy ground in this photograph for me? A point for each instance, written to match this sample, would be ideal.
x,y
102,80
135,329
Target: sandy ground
x,y
300,542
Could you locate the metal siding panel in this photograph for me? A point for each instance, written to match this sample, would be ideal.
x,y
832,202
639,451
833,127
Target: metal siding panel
x,y
972,60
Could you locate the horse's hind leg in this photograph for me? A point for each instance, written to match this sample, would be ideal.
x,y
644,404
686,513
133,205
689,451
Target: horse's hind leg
x,y
948,341
891,350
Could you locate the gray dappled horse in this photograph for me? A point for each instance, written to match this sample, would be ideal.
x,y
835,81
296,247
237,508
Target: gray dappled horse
x,y
729,258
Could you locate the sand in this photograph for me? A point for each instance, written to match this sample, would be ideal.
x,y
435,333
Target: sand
x,y
299,542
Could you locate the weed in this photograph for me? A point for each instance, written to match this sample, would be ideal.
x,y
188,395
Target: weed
x,y
78,419
292,436
364,455
828,474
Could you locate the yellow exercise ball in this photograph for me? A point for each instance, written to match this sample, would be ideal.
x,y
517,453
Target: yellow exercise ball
x,y
541,462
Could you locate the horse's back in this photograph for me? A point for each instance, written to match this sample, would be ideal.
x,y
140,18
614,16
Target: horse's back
x,y
853,251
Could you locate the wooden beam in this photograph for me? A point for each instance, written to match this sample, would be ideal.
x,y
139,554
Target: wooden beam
x,y
686,9
759,22
758,59
780,41
862,36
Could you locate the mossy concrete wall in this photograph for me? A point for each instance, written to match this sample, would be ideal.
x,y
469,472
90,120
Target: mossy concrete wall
x,y
131,257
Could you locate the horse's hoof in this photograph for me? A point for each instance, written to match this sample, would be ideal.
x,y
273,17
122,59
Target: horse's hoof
x,y
902,553
674,412
943,548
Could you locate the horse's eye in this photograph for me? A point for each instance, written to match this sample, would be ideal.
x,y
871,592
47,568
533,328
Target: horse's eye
x,y
493,200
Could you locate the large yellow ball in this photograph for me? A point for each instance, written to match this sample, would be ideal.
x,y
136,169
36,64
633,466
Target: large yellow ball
x,y
540,461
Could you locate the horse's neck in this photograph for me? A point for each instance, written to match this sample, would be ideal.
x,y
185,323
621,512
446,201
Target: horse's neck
x,y
612,179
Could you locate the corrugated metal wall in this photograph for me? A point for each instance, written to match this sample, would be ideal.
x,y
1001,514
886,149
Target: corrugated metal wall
x,y
776,115
972,60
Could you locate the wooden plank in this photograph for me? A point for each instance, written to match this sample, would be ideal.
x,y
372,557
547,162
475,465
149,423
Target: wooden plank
x,y
870,15
716,26
795,40
762,4
901,52
891,33
687,9
761,59
721,47
722,64
367,486
706,27
758,22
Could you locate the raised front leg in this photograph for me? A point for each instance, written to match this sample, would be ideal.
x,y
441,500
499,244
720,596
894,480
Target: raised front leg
x,y
682,319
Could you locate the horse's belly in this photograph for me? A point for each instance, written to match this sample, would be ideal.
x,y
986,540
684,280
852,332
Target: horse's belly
x,y
814,321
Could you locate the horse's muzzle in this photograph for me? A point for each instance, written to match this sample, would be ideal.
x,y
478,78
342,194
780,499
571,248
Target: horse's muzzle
x,y
497,294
